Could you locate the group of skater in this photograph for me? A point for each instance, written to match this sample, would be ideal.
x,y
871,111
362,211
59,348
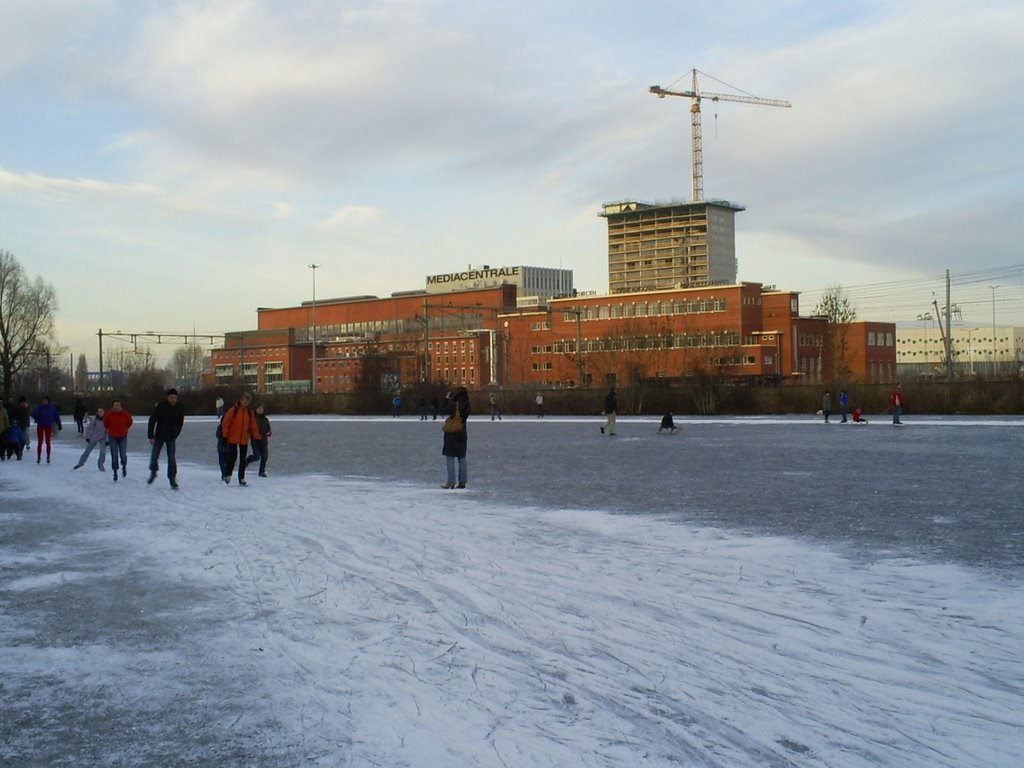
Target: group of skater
x,y
108,428
896,403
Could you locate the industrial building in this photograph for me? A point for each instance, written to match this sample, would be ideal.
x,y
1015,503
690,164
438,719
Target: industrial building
x,y
975,351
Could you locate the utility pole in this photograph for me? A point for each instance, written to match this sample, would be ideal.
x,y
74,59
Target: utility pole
x,y
100,334
312,337
993,289
949,334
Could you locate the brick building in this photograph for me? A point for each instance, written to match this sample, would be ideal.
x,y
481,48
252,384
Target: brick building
x,y
483,337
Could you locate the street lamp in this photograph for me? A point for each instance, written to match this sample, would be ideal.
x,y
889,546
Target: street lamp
x,y
312,337
993,289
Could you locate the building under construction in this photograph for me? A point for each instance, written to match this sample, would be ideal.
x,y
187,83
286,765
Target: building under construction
x,y
672,245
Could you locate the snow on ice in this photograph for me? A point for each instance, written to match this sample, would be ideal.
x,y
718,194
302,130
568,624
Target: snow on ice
x,y
347,611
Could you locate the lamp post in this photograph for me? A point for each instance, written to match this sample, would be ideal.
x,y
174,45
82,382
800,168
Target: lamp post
x,y
312,335
993,289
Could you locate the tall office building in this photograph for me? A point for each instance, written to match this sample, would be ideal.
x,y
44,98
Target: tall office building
x,y
671,245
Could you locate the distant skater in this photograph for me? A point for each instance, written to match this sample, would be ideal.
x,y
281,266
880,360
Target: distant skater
x,y
896,400
456,443
539,402
80,414
219,405
46,416
826,405
844,404
422,408
95,434
611,409
117,422
858,417
668,424
396,406
165,425
492,401
434,407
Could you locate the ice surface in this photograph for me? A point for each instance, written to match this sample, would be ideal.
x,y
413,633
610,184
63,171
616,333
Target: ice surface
x,y
749,592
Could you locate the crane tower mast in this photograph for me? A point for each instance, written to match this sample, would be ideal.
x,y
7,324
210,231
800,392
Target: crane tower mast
x,y
696,96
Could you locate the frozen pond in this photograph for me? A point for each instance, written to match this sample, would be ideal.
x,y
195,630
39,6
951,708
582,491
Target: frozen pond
x,y
940,488
747,593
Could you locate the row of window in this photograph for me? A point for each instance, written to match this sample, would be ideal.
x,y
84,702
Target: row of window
x,y
666,341
644,309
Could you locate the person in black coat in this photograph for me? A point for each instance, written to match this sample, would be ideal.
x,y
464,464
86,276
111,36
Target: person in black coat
x,y
455,442
165,425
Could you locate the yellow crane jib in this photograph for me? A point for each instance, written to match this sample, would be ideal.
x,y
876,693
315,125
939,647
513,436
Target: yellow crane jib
x,y
696,95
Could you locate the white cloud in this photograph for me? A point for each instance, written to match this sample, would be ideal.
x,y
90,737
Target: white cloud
x,y
351,215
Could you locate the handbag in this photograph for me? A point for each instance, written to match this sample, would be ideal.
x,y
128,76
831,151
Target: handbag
x,y
454,422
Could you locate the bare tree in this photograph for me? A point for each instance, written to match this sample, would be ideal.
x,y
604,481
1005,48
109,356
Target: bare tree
x,y
840,312
26,318
187,363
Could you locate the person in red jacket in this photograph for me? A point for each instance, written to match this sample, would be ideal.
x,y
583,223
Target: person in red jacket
x,y
238,427
118,421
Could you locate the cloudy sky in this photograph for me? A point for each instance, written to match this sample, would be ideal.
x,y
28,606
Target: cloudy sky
x,y
171,166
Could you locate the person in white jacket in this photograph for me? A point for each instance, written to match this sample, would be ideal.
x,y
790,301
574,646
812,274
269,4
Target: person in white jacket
x,y
95,434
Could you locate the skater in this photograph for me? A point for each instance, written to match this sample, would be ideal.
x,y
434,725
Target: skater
x,y
15,445
261,447
858,418
20,413
222,448
5,427
238,427
422,408
826,405
896,400
433,407
219,405
611,408
492,400
844,403
80,413
46,416
95,434
165,425
455,443
539,402
668,424
117,422
396,406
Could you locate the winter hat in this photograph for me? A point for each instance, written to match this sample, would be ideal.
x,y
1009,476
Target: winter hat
x,y
172,391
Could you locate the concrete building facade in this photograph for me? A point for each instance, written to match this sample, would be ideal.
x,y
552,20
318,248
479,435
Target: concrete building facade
x,y
672,245
976,351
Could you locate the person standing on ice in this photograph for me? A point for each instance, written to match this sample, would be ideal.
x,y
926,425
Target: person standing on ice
x,y
165,425
611,409
455,443
844,404
117,422
826,405
896,400
46,416
238,427
95,434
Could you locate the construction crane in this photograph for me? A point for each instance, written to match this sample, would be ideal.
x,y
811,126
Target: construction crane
x,y
696,95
